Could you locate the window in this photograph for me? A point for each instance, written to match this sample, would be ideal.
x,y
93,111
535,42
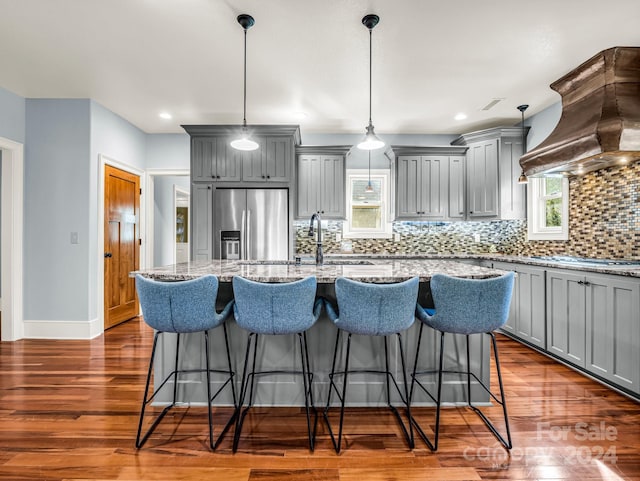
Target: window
x,y
548,208
367,212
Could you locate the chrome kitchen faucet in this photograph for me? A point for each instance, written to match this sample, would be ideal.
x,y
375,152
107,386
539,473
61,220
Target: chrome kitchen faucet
x,y
319,256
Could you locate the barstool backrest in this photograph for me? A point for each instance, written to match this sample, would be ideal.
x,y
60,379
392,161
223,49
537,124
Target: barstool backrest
x,y
376,309
469,306
278,308
184,306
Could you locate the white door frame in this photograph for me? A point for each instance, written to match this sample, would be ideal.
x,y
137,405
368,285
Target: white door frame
x,y
102,161
149,206
12,234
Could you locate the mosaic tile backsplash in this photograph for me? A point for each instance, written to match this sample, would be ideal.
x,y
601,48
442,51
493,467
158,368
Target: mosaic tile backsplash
x,y
604,222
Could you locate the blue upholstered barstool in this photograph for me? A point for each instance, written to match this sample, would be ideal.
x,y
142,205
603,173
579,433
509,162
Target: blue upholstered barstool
x,y
465,306
180,308
371,310
275,309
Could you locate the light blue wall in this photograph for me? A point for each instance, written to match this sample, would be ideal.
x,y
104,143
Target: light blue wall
x,y
12,116
56,186
119,140
542,124
168,151
163,228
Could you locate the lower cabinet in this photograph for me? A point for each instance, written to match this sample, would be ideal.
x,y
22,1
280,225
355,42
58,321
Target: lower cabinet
x,y
527,313
593,321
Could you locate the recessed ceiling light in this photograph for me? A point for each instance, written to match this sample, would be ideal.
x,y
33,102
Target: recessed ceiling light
x,y
460,116
165,115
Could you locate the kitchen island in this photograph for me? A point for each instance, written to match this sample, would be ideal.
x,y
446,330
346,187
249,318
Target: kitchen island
x,y
281,352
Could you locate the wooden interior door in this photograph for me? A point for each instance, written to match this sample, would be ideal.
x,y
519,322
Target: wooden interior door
x,y
121,244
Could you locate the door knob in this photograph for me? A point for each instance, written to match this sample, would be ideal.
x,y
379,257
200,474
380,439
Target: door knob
x,y
108,254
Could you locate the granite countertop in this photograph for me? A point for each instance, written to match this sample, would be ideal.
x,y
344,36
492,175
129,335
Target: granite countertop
x,y
367,270
364,267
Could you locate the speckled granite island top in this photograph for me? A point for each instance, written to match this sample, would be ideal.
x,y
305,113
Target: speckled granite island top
x,y
366,270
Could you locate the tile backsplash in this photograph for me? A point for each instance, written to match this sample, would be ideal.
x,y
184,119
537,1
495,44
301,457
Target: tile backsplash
x,y
604,221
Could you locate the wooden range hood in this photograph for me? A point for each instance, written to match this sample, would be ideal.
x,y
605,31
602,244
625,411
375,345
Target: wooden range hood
x,y
600,122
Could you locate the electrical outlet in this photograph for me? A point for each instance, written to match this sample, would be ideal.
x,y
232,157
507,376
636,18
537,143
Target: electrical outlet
x,y
396,237
338,237
476,237
74,238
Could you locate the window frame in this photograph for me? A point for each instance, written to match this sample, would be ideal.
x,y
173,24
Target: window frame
x,y
386,227
536,212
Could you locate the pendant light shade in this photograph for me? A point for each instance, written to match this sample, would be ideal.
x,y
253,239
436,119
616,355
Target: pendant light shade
x,y
523,178
371,141
244,142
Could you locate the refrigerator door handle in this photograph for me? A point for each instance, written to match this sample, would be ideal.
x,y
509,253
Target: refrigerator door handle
x,y
248,235
243,235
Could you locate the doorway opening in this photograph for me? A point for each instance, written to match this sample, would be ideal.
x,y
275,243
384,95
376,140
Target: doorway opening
x,y
11,234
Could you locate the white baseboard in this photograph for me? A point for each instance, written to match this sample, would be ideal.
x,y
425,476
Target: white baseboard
x,y
62,329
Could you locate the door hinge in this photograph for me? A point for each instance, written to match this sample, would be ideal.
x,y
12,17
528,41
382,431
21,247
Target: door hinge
x,y
140,191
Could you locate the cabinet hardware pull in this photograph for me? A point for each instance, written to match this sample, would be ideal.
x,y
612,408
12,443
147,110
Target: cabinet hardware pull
x,y
581,283
108,255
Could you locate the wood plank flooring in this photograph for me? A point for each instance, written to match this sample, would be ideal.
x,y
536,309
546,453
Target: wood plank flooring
x,y
69,411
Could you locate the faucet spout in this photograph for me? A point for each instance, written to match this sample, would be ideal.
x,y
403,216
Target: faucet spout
x,y
316,218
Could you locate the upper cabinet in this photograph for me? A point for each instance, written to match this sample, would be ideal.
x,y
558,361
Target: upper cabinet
x,y
493,167
214,160
429,183
272,162
321,181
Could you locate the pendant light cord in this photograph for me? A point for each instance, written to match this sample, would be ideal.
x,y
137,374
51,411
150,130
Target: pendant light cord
x,y
244,114
370,76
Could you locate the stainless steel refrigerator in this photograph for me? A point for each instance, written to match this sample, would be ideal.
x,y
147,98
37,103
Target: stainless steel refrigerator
x,y
251,224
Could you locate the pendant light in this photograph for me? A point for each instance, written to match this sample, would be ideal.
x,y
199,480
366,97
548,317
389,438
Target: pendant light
x,y
244,142
371,141
523,178
369,187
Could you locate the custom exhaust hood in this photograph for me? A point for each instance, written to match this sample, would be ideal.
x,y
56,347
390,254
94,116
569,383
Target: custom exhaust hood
x,y
600,122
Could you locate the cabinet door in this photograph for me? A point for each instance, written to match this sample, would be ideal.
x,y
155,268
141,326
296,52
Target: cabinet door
x,y
309,176
456,188
203,152
433,191
332,187
201,221
512,194
409,187
228,162
530,314
613,329
510,325
252,163
277,159
566,317
482,175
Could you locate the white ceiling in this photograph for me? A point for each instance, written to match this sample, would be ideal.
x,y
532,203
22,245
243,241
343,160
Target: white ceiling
x,y
431,59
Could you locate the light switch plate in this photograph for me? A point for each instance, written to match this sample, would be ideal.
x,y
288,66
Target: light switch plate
x,y
338,237
75,238
476,237
396,237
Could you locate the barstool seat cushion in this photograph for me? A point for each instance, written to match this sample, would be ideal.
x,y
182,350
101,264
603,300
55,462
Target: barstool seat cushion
x,y
374,309
285,308
181,307
468,306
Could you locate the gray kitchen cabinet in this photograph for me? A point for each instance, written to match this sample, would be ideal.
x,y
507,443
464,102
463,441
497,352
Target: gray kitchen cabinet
x,y
492,166
271,162
593,321
456,187
321,181
201,221
429,183
527,311
213,159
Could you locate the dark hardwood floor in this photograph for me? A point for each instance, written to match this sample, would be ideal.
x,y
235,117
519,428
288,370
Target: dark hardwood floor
x,y
69,410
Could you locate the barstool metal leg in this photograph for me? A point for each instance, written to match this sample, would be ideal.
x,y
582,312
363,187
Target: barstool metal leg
x,y
337,444
415,381
407,402
240,412
307,390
